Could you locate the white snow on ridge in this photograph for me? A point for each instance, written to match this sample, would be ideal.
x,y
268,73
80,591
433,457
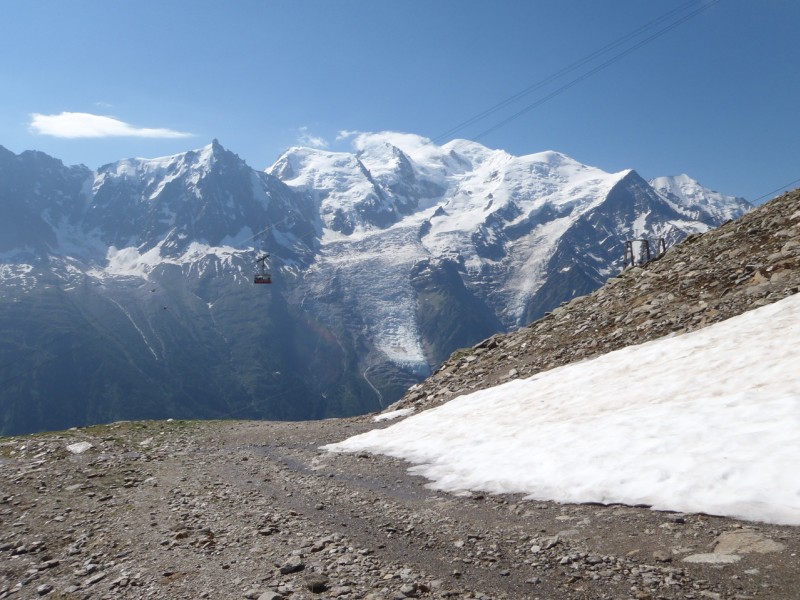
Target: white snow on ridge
x,y
19,272
704,422
129,262
157,173
686,194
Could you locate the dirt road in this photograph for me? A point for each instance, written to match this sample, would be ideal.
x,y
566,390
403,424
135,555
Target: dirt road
x,y
257,510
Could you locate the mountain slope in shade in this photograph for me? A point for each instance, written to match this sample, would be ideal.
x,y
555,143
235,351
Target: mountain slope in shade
x,y
136,280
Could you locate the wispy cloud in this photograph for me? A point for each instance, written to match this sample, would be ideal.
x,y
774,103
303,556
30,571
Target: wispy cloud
x,y
86,125
347,133
306,139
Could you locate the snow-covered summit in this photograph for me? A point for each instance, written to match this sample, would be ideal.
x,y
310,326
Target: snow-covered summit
x,y
510,229
687,194
156,173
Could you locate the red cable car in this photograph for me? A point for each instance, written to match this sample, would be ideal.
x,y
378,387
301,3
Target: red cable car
x,y
262,276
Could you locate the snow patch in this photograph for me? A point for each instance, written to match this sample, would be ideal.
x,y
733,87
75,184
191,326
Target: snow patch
x,y
395,414
703,422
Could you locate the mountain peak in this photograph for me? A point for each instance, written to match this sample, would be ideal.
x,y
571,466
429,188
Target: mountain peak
x,y
212,153
689,194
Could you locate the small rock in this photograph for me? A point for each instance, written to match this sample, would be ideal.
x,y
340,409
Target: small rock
x,y
316,582
662,556
713,559
293,565
94,579
79,447
552,542
745,542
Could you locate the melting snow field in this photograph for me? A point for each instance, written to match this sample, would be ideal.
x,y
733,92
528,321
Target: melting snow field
x,y
703,422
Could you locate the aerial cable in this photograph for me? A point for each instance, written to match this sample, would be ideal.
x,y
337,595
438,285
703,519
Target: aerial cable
x,y
596,69
564,71
776,190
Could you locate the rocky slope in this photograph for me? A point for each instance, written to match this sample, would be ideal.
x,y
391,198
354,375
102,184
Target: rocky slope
x,y
256,510
741,265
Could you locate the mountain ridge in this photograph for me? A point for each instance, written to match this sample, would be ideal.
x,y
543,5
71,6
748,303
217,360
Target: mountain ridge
x,y
365,247
708,277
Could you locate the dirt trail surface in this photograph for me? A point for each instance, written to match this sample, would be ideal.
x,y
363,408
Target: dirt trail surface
x,y
256,510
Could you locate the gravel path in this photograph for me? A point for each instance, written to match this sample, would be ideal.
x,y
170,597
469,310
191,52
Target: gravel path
x,y
256,510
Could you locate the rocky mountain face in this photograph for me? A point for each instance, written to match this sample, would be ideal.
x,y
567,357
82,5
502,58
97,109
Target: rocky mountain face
x,y
127,293
38,192
706,278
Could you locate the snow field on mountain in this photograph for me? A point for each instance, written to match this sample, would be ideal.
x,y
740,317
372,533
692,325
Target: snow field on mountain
x,y
687,196
131,263
374,266
705,422
500,216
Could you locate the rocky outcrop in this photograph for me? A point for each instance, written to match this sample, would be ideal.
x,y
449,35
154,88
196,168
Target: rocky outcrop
x,y
707,278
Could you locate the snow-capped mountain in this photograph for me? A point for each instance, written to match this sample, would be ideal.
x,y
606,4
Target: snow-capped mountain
x,y
136,279
522,233
690,197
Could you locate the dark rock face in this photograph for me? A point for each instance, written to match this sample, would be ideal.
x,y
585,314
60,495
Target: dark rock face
x,y
37,194
449,315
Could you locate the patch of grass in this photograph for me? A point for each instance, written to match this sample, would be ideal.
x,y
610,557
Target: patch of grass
x,y
461,353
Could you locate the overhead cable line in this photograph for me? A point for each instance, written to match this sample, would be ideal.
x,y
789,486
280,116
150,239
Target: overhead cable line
x,y
564,71
776,190
596,69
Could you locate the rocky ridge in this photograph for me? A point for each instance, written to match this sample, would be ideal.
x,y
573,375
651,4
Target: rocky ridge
x,y
706,278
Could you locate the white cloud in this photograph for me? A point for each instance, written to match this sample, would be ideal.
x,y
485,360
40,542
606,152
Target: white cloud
x,y
347,133
306,139
86,125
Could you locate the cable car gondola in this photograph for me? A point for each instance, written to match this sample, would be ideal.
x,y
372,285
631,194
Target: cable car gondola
x,y
262,276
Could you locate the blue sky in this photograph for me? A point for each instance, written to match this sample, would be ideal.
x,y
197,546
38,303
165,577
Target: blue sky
x,y
717,97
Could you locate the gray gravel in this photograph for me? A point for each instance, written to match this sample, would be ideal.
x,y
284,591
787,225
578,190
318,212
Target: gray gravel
x,y
257,510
